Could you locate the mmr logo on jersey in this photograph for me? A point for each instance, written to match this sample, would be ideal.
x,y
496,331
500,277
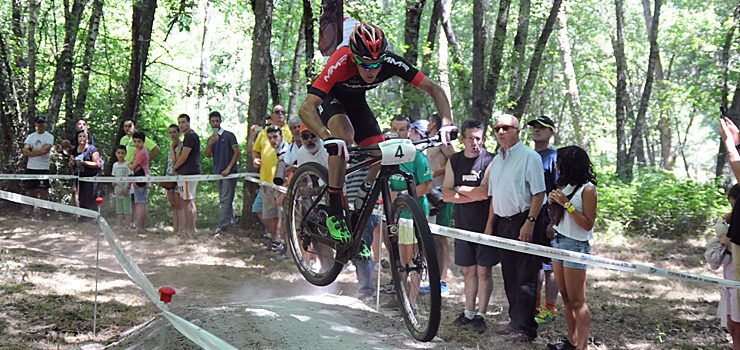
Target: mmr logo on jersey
x,y
401,64
334,67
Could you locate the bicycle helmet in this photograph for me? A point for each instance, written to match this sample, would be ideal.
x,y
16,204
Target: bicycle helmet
x,y
368,41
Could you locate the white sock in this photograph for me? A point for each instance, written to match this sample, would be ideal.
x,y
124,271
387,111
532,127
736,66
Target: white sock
x,y
469,314
481,315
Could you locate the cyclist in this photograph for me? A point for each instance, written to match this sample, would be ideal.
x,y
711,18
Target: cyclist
x,y
336,101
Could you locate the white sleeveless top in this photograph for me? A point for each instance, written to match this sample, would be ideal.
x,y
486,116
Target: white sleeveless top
x,y
568,227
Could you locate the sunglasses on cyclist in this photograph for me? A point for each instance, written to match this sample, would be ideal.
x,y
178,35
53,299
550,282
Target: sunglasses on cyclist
x,y
370,66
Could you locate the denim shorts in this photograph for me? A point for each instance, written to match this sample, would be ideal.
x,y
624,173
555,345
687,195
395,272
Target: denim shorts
x,y
567,243
141,194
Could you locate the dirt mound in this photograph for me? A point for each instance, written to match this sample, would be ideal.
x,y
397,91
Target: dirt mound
x,y
303,322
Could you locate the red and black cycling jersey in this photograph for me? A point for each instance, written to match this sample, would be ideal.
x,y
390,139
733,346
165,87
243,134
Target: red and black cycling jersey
x,y
341,77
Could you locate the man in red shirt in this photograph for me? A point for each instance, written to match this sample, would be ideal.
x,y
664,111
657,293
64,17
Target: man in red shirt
x,y
336,101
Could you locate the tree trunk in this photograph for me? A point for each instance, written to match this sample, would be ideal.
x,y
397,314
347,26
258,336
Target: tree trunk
x,y
204,52
485,82
518,52
411,105
571,85
12,126
295,78
645,100
664,121
87,59
443,54
450,34
434,20
534,65
621,92
309,39
260,68
724,66
141,35
33,20
274,89
63,73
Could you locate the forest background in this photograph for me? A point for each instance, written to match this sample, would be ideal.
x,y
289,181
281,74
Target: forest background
x,y
637,83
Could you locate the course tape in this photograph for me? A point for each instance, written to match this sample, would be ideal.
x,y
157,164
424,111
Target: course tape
x,y
111,179
559,254
196,334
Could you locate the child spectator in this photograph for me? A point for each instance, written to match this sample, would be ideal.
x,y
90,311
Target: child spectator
x,y
122,190
140,166
718,254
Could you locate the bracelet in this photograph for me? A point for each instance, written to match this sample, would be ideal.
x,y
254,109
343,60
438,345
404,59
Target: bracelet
x,y
570,208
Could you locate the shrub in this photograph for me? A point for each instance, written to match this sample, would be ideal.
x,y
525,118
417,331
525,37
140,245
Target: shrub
x,y
658,204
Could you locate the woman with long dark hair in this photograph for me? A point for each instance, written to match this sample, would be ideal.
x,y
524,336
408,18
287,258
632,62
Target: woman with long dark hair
x,y
576,193
86,160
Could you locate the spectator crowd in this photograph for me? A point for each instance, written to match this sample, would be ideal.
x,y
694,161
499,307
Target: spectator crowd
x,y
539,195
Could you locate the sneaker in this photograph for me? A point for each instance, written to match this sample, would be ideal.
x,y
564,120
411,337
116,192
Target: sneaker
x,y
461,320
389,288
564,344
385,263
443,289
277,246
544,316
478,324
338,228
365,253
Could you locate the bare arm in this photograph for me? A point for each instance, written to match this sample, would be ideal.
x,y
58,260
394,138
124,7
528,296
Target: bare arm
x,y
27,151
477,193
209,145
587,218
449,194
153,153
489,223
233,161
182,157
310,116
440,99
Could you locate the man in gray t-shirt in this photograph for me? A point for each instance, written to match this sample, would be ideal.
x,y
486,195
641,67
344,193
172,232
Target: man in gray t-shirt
x,y
188,163
224,149
37,147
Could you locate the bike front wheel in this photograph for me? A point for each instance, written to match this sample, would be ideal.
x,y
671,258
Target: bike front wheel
x,y
413,265
305,225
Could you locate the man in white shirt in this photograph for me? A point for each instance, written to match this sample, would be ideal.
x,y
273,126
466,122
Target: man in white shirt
x,y
517,185
36,147
312,150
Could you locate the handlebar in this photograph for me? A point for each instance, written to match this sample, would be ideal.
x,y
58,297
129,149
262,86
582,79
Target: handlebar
x,y
431,141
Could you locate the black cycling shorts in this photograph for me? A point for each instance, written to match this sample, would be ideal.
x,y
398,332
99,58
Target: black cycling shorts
x,y
359,113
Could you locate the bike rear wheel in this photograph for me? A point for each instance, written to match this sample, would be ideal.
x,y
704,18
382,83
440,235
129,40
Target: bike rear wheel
x,y
305,225
413,264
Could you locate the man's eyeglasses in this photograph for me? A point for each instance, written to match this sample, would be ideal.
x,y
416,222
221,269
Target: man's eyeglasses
x,y
506,128
307,136
370,66
279,112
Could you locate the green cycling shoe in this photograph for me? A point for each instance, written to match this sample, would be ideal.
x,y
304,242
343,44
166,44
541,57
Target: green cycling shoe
x,y
365,253
338,229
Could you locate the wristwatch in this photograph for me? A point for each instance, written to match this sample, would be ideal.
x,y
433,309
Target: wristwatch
x,y
531,218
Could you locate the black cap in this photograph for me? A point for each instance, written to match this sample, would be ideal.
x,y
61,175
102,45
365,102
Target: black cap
x,y
40,119
544,121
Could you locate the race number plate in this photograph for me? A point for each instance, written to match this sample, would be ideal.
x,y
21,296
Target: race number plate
x,y
397,151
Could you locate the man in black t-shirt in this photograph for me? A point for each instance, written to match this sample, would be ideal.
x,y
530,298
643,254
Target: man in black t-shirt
x,y
465,184
188,163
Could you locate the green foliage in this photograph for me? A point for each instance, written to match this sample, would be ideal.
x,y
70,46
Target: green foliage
x,y
657,204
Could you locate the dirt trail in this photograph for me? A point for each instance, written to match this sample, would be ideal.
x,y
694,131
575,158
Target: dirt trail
x,y
221,281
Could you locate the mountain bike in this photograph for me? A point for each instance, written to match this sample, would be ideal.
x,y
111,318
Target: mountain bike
x,y
413,258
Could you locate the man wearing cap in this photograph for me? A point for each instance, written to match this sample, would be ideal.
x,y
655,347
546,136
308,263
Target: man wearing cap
x,y
36,147
543,129
224,149
290,157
